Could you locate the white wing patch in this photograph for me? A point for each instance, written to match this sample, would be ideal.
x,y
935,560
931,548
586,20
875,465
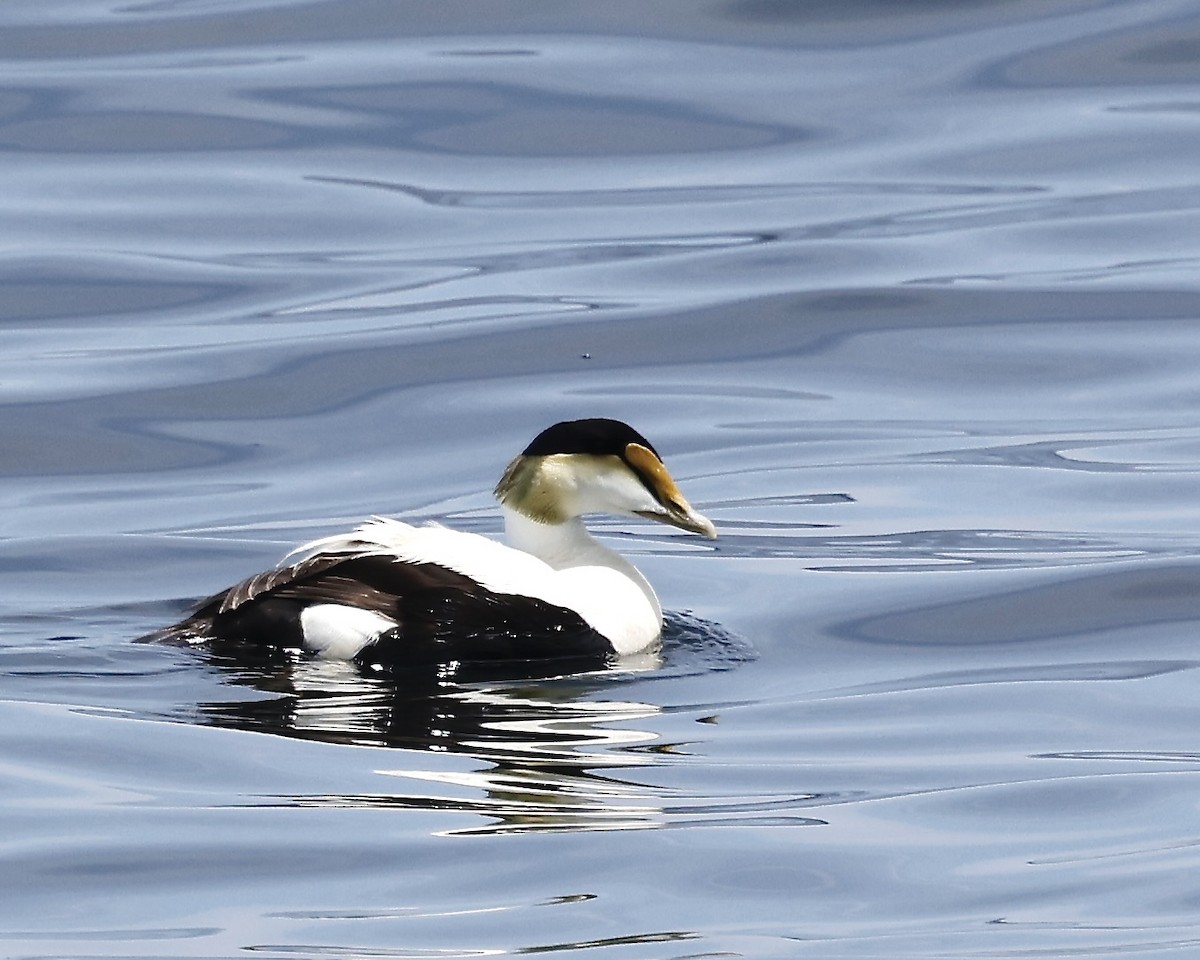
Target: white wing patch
x,y
337,632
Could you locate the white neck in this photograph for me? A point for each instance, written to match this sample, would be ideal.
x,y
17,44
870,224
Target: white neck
x,y
566,545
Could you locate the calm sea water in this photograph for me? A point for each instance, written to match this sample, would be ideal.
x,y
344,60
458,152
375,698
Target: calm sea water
x,y
906,293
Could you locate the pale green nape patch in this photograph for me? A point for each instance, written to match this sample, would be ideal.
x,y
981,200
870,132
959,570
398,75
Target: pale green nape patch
x,y
543,488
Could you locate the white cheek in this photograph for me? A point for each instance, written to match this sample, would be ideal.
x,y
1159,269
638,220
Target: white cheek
x,y
613,492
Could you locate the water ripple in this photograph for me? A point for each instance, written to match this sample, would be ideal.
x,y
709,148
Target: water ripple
x,y
689,197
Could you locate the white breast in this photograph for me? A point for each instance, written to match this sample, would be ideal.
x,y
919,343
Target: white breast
x,y
612,604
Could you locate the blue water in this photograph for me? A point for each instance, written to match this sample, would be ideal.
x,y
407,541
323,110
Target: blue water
x,y
906,294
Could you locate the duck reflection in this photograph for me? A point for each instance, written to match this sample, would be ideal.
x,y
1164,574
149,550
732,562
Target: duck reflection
x,y
548,744
459,707
551,739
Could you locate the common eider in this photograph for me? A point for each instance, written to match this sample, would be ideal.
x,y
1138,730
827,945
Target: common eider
x,y
389,592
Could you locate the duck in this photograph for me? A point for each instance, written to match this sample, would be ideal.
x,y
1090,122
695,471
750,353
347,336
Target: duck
x,y
390,593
